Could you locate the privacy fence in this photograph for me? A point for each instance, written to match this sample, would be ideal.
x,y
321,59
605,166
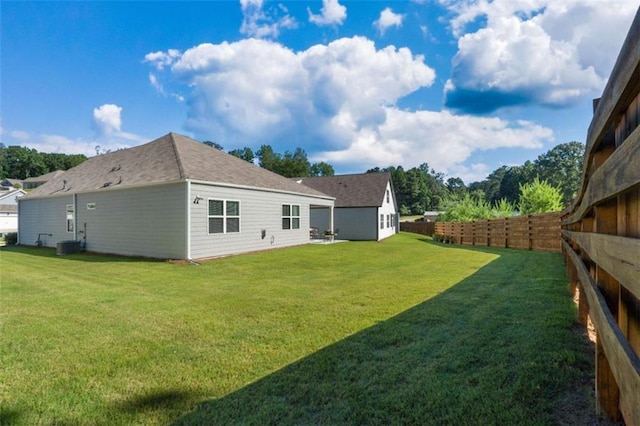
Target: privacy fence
x,y
424,228
601,236
531,232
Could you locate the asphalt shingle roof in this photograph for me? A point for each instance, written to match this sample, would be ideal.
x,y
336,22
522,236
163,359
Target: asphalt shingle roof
x,y
170,158
361,190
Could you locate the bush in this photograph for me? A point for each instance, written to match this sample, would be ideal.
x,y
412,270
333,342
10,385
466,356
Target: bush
x,y
11,238
539,197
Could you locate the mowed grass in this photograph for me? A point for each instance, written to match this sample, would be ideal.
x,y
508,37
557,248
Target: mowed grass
x,y
404,331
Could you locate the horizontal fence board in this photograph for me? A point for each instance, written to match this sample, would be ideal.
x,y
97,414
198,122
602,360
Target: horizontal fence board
x,y
620,172
619,256
531,232
624,362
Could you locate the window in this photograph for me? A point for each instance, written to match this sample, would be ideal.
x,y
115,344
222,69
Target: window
x,y
381,221
387,196
70,218
388,221
224,216
393,220
290,216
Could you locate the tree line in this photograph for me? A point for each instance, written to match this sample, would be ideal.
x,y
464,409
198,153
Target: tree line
x,y
21,163
417,189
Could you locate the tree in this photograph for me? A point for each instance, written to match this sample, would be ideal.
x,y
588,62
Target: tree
x,y
321,169
22,163
539,197
456,186
561,167
245,154
512,179
215,145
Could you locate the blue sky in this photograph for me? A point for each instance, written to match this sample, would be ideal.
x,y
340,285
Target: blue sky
x,y
466,86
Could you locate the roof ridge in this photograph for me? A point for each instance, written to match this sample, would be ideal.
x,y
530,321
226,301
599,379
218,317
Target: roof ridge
x,y
177,155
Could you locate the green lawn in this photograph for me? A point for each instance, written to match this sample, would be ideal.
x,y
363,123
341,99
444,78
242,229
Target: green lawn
x,y
404,331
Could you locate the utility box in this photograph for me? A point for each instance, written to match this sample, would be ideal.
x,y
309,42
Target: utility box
x,y
68,247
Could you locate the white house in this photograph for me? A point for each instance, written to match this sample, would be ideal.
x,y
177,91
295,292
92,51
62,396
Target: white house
x,y
9,209
365,206
172,198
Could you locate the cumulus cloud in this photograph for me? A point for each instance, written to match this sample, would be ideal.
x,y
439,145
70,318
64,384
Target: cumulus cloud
x,y
259,23
162,59
337,101
106,119
533,51
332,13
387,20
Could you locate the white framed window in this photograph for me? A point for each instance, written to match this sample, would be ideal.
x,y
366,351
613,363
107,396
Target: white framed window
x,y
223,216
70,218
393,220
388,197
290,216
381,221
388,221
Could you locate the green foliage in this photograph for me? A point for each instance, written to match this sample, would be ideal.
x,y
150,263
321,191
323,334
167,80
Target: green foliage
x,y
215,145
11,238
502,208
21,163
539,197
465,209
245,154
291,164
562,168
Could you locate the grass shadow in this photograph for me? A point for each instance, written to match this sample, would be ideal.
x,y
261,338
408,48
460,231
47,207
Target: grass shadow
x,y
154,401
497,348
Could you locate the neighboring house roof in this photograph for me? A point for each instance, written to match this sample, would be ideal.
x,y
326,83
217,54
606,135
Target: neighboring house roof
x,y
10,182
8,197
170,158
361,190
43,178
8,208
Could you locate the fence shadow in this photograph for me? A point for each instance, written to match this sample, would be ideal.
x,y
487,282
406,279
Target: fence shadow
x,y
479,353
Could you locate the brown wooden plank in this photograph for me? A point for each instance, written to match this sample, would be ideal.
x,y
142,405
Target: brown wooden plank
x,y
624,362
619,173
619,256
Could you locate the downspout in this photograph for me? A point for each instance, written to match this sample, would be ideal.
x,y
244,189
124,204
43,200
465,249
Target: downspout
x,y
75,217
188,236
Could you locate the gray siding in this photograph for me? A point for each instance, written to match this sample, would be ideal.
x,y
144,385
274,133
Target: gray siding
x,y
147,221
358,223
259,210
47,215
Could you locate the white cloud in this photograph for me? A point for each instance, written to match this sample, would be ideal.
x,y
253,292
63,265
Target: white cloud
x,y
106,119
534,51
332,13
258,23
337,101
387,20
162,59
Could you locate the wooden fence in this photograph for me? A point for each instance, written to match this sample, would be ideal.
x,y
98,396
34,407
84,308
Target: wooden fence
x,y
601,236
424,228
531,232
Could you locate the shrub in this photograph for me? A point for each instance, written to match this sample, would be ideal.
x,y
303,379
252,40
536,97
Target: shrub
x,y
11,238
539,197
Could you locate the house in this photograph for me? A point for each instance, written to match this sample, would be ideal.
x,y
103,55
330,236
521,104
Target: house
x,y
11,183
36,181
172,198
9,209
365,206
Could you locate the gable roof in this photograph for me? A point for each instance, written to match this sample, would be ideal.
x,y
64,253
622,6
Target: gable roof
x,y
360,190
44,178
6,195
170,158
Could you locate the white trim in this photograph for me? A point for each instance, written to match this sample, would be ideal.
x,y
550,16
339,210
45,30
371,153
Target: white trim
x,y
188,230
291,216
224,216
